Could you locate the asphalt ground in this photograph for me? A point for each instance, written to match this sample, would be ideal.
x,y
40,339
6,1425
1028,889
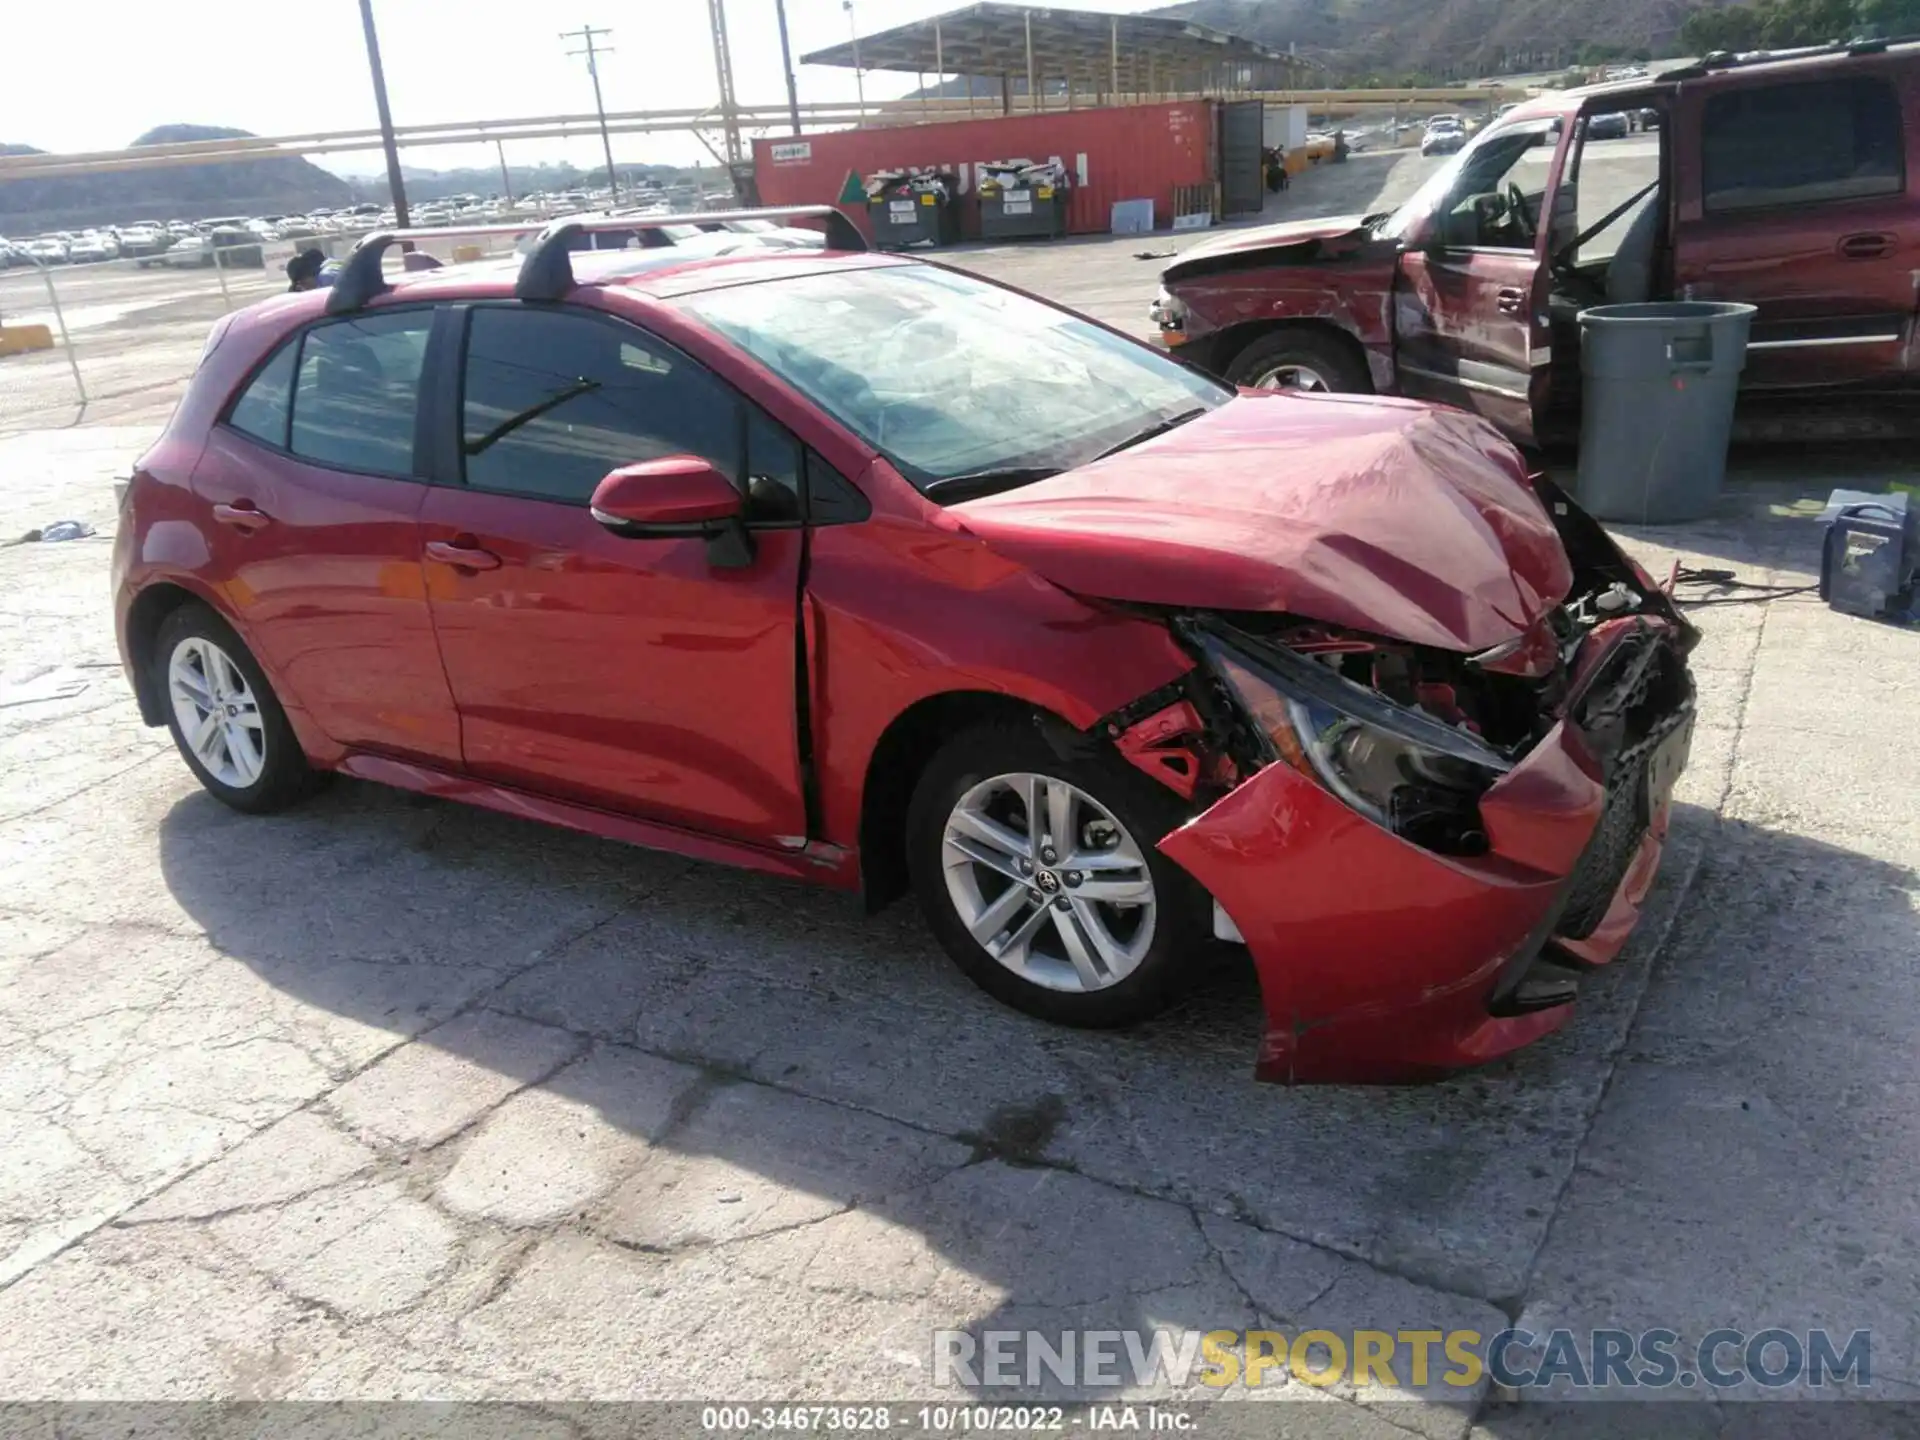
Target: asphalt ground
x,y
386,1098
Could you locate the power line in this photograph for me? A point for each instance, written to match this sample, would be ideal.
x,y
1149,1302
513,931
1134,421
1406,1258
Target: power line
x,y
587,35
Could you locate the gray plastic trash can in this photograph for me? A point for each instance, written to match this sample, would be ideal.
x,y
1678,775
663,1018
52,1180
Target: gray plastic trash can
x,y
1660,381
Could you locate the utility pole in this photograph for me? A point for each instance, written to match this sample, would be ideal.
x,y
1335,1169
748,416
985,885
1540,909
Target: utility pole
x,y
387,142
786,65
859,75
586,34
723,70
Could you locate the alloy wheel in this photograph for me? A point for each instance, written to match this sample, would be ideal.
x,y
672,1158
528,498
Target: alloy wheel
x,y
1048,882
217,713
1292,377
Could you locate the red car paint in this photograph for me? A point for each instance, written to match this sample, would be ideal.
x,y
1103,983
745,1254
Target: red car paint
x,y
1480,328
1281,854
1388,517
514,654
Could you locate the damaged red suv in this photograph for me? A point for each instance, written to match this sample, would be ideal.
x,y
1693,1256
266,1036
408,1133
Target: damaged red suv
x,y
858,570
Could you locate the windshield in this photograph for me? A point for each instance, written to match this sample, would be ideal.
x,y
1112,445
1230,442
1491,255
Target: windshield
x,y
1516,153
947,375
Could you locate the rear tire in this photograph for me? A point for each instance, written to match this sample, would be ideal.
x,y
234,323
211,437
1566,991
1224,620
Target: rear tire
x,y
1091,927
226,720
1300,359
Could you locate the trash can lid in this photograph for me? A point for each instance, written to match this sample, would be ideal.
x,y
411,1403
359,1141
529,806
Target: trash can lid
x,y
1664,312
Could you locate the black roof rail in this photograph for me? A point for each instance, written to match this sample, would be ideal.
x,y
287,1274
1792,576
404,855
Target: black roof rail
x,y
362,276
547,272
1728,60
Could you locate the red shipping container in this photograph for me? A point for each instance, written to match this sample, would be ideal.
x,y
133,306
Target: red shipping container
x,y
1131,152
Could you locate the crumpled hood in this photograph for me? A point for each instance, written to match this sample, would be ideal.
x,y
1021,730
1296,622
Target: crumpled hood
x,y
1386,516
1267,237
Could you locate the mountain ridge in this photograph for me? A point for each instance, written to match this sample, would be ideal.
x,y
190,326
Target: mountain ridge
x,y
1411,40
276,184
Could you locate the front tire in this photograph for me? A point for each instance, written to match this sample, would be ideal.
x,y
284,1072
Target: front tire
x,y
1300,359
225,718
1040,879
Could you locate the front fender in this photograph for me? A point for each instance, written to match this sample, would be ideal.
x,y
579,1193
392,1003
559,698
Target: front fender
x,y
899,614
1353,295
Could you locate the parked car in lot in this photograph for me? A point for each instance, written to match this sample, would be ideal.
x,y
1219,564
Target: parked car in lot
x,y
1611,125
868,572
1444,136
139,240
234,249
91,246
46,249
1790,183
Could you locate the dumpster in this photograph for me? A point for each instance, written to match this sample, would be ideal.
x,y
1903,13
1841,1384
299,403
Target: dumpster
x,y
1660,380
913,207
1019,198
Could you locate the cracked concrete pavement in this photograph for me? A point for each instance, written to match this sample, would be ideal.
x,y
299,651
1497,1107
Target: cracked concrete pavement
x,y
384,1098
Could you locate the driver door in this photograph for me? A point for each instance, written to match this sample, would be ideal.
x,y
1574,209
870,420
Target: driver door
x,y
1471,323
635,675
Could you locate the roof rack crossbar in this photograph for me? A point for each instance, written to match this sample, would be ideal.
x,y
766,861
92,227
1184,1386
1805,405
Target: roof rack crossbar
x,y
547,272
361,277
1742,59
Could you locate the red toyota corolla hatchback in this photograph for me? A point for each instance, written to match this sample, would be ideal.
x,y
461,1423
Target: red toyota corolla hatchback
x,y
864,571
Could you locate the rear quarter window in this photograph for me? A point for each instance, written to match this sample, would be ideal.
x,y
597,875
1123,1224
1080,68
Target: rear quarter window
x,y
1808,143
266,405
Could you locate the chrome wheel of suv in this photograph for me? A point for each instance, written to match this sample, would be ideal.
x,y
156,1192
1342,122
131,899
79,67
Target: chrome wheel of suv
x,y
1049,882
1292,377
218,717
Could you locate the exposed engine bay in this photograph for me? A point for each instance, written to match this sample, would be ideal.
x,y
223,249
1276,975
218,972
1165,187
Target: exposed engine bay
x,y
1411,736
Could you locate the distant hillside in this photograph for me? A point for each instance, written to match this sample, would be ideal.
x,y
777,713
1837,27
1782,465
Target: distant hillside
x,y
1394,40
250,187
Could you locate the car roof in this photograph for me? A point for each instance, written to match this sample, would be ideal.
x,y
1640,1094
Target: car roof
x,y
1812,61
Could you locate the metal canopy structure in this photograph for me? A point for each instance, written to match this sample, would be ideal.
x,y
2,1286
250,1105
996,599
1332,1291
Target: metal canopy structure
x,y
1105,53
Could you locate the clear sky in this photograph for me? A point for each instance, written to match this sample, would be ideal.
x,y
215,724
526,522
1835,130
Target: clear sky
x,y
93,77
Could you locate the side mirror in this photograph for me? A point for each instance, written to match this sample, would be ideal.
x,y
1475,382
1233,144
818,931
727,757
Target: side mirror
x,y
676,497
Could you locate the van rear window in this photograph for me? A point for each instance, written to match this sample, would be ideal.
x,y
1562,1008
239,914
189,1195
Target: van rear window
x,y
1807,143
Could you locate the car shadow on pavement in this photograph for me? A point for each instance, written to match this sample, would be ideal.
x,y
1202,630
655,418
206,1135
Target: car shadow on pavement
x,y
776,1070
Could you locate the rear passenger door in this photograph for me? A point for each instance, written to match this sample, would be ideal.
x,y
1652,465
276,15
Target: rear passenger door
x,y
314,482
1798,198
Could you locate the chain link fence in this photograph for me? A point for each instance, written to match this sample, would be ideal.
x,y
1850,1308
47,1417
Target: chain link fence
x,y
127,333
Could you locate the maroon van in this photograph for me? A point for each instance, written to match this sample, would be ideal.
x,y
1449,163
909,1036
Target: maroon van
x,y
1784,181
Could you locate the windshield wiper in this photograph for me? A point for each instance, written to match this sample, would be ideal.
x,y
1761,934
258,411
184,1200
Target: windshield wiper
x,y
950,488
1159,427
506,427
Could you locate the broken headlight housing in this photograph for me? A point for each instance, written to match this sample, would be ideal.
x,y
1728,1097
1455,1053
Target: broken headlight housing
x,y
1403,769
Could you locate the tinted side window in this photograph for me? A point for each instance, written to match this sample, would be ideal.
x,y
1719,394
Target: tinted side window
x,y
1802,145
554,401
264,406
353,405
773,470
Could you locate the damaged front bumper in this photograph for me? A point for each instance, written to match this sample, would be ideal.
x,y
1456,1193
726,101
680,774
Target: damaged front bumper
x,y
1382,961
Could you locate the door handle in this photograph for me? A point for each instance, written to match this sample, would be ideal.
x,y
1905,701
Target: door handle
x,y
462,557
242,515
1511,299
1865,247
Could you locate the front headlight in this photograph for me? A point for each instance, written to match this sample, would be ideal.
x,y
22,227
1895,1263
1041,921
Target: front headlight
x,y
1168,310
1403,769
